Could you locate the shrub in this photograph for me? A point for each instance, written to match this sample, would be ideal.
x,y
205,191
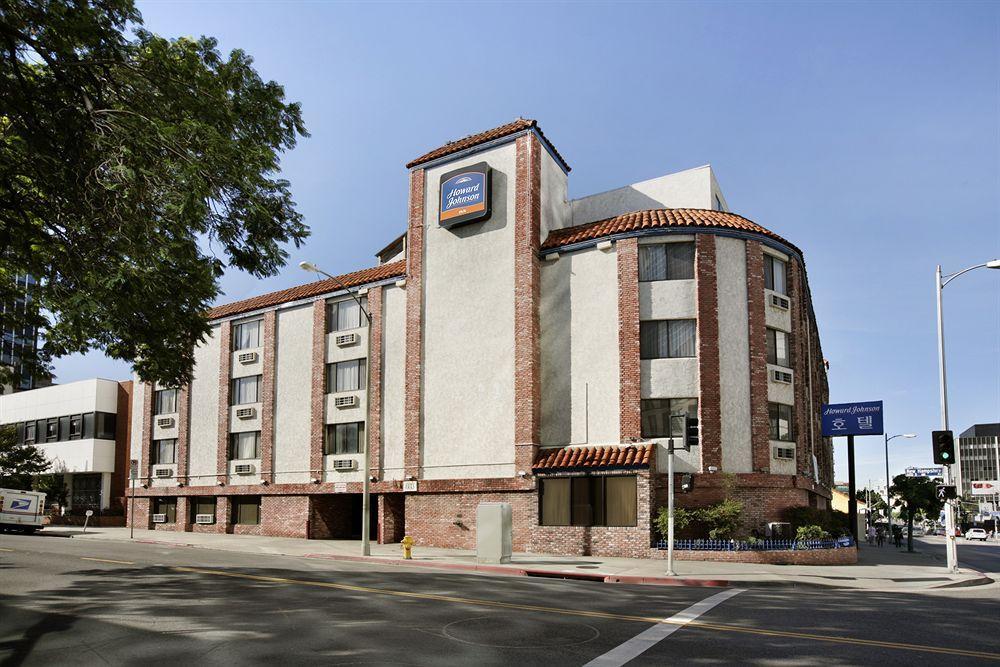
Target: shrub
x,y
723,519
682,518
810,533
831,521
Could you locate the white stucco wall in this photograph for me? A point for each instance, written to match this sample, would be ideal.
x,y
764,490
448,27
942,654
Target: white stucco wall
x,y
393,379
204,421
579,349
734,354
468,383
60,400
292,386
556,212
692,188
138,419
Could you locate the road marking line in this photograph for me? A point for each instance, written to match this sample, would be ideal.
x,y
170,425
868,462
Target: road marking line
x,y
106,560
596,614
647,639
2,549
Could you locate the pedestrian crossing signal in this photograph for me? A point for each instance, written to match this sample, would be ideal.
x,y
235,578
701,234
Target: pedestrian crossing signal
x,y
944,447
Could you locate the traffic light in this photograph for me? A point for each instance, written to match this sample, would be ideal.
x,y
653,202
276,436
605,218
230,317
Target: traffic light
x,y
946,492
944,447
687,483
690,432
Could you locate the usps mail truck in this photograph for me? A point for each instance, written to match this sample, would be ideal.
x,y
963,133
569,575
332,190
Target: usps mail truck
x,y
21,510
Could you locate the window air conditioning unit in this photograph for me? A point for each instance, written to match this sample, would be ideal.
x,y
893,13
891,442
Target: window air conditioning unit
x,y
344,465
784,453
779,530
243,468
247,357
781,376
345,401
165,422
346,339
779,302
163,472
204,518
159,518
246,413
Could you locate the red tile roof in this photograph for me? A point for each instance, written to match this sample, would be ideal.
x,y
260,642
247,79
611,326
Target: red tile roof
x,y
483,137
656,218
612,456
354,279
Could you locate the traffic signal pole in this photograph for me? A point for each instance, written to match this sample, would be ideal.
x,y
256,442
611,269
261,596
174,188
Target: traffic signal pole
x,y
949,509
670,509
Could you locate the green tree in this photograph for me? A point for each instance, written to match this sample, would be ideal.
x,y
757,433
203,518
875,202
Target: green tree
x,y
133,170
18,463
914,495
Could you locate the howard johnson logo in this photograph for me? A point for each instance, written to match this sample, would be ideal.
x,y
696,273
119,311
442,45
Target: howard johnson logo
x,y
465,195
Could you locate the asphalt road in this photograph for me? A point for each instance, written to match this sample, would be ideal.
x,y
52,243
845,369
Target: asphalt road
x,y
84,602
974,554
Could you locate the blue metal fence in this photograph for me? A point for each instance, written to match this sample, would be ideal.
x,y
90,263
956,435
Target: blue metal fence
x,y
758,545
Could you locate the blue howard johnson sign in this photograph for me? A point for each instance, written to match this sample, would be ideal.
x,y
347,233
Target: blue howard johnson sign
x,y
465,195
852,419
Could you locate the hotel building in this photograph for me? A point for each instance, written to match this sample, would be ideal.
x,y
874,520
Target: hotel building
x,y
523,347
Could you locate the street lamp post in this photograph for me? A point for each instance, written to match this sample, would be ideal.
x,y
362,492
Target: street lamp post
x,y
366,548
949,515
888,480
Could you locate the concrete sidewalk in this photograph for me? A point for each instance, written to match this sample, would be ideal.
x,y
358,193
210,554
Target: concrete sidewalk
x,y
883,569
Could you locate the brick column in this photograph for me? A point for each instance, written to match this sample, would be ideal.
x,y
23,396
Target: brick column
x,y
710,400
267,399
317,413
183,523
630,386
759,428
225,361
141,516
221,515
390,518
146,469
412,418
183,434
374,426
527,232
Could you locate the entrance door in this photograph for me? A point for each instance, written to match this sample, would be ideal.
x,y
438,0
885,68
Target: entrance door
x,y
86,492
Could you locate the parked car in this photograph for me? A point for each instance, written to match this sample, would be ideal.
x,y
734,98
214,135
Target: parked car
x,y
918,531
976,534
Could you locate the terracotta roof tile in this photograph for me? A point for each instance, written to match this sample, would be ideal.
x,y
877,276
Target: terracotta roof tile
x,y
574,458
656,218
354,279
483,137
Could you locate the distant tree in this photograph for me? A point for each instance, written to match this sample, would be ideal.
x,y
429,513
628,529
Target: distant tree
x,y
18,463
122,155
914,495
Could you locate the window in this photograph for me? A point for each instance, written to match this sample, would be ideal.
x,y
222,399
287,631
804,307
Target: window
x,y
166,402
718,204
52,430
29,433
777,348
346,314
656,414
166,506
165,451
345,438
659,339
64,428
203,506
105,426
588,501
245,390
75,427
246,335
774,274
780,417
88,425
666,261
345,376
244,446
246,511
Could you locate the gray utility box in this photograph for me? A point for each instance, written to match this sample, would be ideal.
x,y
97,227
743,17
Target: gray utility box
x,y
494,533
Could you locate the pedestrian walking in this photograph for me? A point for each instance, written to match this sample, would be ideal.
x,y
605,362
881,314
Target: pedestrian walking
x,y
880,536
871,534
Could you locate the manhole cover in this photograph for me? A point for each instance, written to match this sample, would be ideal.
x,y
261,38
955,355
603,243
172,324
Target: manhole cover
x,y
519,632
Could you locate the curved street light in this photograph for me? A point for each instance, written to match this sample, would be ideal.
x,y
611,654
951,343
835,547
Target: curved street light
x,y
888,480
949,516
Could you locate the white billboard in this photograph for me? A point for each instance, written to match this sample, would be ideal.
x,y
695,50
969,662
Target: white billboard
x,y
985,487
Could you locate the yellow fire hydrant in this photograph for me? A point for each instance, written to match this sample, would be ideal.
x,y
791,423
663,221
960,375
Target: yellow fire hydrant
x,y
407,547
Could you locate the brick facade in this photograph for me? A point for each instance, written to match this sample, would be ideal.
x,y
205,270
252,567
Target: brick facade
x,y
527,230
391,517
183,434
123,445
709,377
629,367
759,427
414,326
317,392
374,426
225,362
146,471
267,398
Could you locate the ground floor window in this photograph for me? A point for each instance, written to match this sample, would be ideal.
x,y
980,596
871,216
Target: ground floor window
x,y
588,501
202,506
167,506
246,511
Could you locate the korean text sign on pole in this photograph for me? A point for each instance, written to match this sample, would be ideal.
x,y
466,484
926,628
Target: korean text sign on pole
x,y
841,419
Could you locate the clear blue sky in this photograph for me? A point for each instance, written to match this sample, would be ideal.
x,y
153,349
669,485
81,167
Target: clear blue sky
x,y
868,134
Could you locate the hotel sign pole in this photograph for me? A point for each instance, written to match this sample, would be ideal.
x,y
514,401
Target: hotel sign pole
x,y
851,419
